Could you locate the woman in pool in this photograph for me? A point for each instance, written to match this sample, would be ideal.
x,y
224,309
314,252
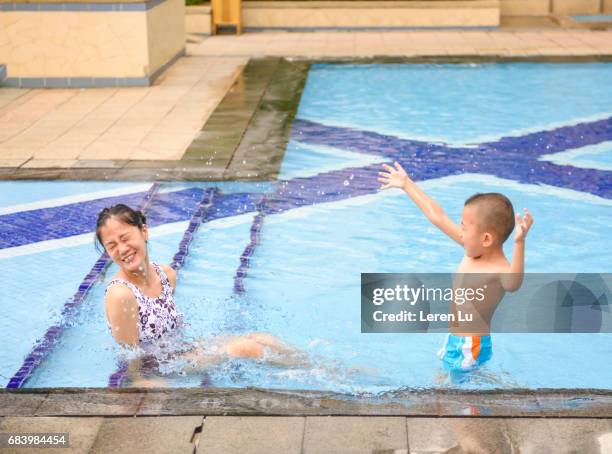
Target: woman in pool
x,y
139,302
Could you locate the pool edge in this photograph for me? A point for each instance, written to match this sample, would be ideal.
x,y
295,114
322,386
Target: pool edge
x,y
556,403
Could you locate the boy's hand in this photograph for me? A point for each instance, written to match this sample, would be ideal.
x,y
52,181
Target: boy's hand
x,y
393,177
522,226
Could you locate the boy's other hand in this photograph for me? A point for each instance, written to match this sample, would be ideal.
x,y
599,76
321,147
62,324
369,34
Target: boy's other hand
x,y
393,177
522,226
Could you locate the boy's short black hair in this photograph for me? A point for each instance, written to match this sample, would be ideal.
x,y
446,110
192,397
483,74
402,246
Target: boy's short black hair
x,y
496,213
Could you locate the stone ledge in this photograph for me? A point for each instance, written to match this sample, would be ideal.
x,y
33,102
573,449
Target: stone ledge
x,y
369,14
578,403
375,4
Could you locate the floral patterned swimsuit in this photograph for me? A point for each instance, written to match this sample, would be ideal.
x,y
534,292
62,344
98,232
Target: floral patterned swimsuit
x,y
156,316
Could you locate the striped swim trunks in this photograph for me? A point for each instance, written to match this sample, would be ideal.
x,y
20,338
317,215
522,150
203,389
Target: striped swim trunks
x,y
465,353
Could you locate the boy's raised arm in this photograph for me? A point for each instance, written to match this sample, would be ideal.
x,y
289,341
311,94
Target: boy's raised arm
x,y
398,178
513,280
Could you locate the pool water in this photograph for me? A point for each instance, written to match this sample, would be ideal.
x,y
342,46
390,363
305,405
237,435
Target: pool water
x,y
593,18
539,133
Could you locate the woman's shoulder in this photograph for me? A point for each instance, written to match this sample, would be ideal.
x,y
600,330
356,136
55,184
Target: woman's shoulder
x,y
118,291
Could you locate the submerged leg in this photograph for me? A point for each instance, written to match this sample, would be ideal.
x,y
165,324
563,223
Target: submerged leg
x,y
260,346
267,348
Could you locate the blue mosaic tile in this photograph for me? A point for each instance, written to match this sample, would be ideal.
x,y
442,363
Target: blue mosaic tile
x,y
94,7
133,7
513,158
30,82
27,6
98,7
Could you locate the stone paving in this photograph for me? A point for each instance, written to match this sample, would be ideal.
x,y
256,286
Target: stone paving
x,y
513,42
318,435
253,420
59,127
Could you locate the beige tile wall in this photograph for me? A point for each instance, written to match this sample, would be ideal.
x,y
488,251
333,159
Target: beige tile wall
x,y
166,32
576,6
198,19
368,17
73,44
63,44
525,7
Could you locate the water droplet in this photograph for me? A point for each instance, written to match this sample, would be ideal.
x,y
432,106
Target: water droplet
x,y
346,183
244,161
351,177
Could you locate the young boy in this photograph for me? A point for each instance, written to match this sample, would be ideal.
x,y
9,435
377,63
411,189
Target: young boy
x,y
486,222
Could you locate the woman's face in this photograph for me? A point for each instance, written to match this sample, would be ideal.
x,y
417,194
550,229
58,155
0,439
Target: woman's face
x,y
125,244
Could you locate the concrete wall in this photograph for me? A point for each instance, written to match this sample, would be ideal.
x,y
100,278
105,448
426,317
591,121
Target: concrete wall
x,y
166,32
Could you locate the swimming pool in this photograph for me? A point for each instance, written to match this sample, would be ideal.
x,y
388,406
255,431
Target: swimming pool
x,y
593,18
540,133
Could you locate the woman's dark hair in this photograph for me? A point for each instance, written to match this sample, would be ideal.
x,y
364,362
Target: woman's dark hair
x,y
122,212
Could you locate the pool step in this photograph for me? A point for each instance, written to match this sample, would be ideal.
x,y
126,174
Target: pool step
x,y
369,14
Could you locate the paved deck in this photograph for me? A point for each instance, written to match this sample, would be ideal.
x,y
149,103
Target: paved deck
x,y
251,420
143,127
319,435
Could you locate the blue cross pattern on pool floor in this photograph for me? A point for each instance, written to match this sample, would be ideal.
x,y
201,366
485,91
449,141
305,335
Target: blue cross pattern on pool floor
x,y
511,158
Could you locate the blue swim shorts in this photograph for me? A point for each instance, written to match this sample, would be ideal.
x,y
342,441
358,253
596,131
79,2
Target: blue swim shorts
x,y
465,353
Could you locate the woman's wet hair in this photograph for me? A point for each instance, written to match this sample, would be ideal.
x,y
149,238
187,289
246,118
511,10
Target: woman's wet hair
x,y
124,214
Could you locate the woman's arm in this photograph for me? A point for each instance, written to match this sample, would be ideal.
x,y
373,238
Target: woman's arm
x,y
122,314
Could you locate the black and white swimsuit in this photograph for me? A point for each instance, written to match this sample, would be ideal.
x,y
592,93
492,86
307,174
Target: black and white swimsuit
x,y
156,316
